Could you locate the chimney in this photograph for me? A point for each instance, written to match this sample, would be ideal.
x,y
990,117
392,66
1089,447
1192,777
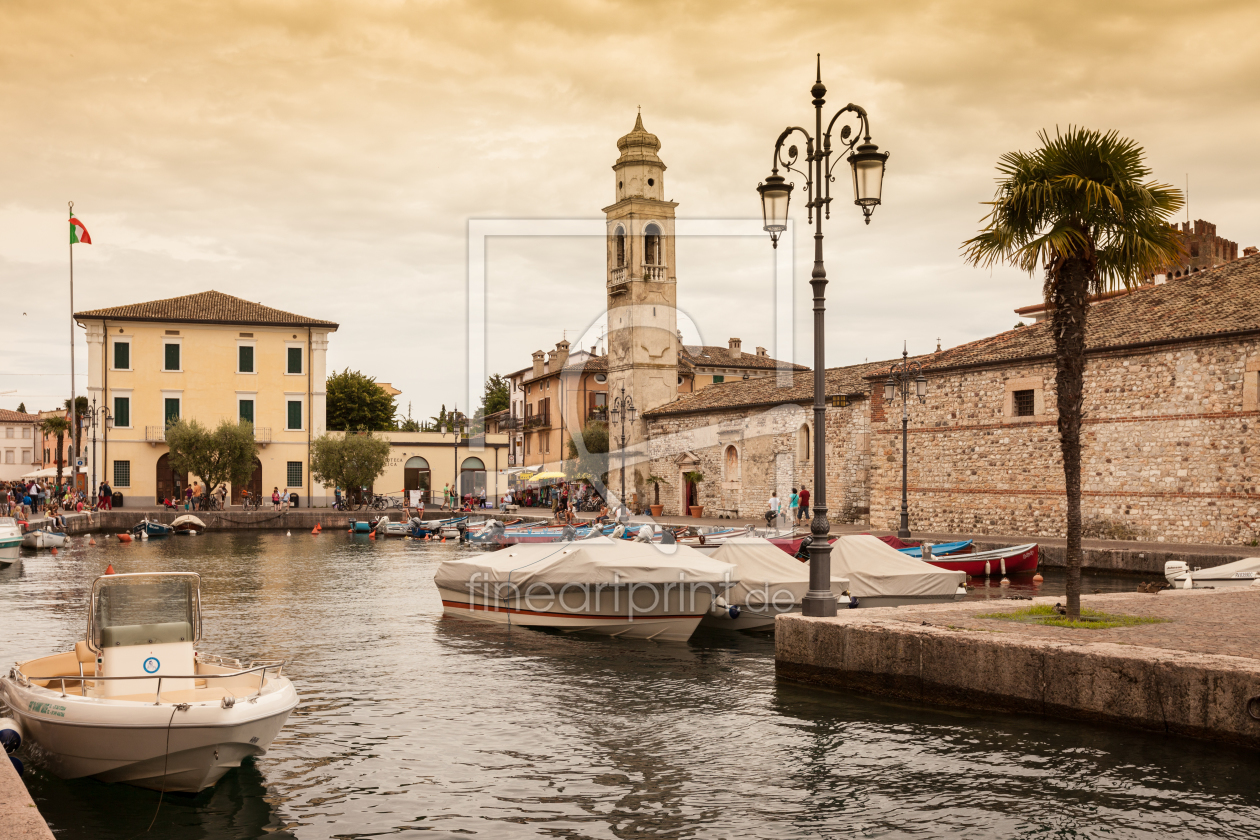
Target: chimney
x,y
761,351
538,363
734,345
562,355
551,362
1250,251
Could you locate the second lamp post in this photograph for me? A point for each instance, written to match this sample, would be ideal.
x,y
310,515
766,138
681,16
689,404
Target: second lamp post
x,y
622,409
899,378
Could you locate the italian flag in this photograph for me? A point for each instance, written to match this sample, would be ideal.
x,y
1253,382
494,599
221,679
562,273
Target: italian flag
x,y
78,233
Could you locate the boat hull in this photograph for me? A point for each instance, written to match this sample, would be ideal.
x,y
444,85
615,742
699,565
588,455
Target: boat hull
x,y
127,741
44,539
747,619
9,549
672,618
1018,559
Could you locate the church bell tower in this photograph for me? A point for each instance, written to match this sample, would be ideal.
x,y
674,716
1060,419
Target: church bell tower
x,y
642,298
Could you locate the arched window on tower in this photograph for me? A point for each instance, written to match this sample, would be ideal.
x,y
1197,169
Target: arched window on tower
x,y
802,443
652,246
620,237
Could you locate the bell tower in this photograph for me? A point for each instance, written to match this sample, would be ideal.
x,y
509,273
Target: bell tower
x,y
642,297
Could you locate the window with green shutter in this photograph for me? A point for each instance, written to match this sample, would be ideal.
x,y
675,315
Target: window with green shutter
x,y
245,354
122,355
172,410
295,414
122,412
295,360
247,410
172,357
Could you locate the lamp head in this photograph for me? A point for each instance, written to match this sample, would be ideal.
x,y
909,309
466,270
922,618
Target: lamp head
x,y
867,162
920,387
775,196
890,389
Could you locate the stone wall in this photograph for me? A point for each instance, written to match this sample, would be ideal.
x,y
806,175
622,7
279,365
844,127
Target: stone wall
x,y
1168,449
773,455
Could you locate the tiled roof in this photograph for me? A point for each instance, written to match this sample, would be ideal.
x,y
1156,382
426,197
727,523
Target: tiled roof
x,y
7,416
206,308
764,391
1225,299
718,356
590,364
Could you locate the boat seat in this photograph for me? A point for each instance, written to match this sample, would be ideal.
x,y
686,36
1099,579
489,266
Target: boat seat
x,y
146,634
85,654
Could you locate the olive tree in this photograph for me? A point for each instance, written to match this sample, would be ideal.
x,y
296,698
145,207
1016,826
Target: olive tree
x,y
353,460
223,456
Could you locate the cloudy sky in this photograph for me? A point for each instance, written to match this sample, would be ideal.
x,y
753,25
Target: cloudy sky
x,y
327,158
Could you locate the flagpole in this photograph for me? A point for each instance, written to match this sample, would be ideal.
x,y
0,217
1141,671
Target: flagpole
x,y
74,406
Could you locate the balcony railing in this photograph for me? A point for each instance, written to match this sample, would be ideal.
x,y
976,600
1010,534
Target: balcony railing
x,y
538,421
653,272
599,413
262,435
155,434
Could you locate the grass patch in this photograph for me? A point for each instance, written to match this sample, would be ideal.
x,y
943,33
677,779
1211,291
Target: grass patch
x,y
1044,614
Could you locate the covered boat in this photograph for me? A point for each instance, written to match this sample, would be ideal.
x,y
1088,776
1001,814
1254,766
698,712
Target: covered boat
x,y
135,702
881,576
187,525
634,590
10,540
769,583
44,538
1229,576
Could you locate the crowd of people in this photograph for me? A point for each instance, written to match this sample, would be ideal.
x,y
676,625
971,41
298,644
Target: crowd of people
x,y
34,498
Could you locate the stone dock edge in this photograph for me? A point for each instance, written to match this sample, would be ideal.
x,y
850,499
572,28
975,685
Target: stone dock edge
x,y
19,818
1196,695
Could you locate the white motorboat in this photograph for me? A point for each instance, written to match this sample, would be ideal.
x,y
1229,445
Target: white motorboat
x,y
1229,576
633,590
881,576
43,538
771,582
10,540
135,702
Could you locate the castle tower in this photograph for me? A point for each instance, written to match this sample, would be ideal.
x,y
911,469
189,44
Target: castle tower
x,y
642,295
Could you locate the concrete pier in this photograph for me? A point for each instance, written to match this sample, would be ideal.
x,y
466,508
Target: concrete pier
x,y
19,818
1196,675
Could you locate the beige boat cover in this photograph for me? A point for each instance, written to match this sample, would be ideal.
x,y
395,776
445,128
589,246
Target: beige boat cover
x,y
591,561
767,573
876,569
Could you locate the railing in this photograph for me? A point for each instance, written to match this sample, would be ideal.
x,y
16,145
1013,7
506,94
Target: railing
x,y
155,434
599,413
617,276
538,421
653,272
262,435
276,665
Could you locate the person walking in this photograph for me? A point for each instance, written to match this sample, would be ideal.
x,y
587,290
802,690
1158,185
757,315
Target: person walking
x,y
446,495
794,508
804,512
773,507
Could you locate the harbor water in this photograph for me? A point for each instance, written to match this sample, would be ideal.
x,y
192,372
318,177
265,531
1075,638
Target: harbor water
x,y
415,725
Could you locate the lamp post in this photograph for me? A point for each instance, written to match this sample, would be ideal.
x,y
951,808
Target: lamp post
x,y
867,164
621,409
899,377
101,416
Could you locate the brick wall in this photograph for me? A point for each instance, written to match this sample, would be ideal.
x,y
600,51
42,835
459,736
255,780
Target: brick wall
x,y
1169,449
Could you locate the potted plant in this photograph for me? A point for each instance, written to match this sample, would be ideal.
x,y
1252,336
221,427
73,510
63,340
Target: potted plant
x,y
656,481
695,477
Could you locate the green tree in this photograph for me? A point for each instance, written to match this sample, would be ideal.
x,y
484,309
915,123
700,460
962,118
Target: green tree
x,y
21,408
355,401
58,426
1082,210
495,397
589,459
224,455
351,461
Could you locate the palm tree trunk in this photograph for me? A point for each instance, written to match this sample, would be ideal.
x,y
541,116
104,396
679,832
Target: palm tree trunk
x,y
61,448
1070,297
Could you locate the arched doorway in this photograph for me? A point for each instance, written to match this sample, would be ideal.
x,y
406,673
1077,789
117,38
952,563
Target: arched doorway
x,y
254,484
169,485
472,477
416,476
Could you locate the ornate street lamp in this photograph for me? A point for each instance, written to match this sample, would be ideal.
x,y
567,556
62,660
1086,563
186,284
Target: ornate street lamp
x,y
98,417
867,163
621,410
899,378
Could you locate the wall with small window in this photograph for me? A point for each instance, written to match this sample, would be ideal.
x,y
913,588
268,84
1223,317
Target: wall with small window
x,y
1024,400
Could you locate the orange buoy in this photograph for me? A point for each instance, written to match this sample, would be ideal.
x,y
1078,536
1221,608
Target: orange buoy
x,y
109,570
54,551
124,538
314,530
1037,578
372,535
91,541
443,539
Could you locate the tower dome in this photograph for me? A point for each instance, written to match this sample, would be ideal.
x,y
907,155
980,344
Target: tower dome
x,y
639,144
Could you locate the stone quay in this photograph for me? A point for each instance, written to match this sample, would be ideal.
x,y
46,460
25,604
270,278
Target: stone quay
x,y
1195,674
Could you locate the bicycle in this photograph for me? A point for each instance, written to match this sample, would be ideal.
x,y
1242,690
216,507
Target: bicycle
x,y
251,502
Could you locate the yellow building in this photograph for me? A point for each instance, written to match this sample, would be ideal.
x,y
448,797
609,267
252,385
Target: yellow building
x,y
208,356
431,461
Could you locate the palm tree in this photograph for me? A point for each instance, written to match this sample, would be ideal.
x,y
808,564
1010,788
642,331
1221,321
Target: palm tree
x,y
56,426
1081,209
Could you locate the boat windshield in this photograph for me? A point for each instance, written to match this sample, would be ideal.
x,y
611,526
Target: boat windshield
x,y
153,605
8,521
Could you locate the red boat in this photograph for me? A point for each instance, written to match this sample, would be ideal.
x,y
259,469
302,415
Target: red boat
x,y
1012,560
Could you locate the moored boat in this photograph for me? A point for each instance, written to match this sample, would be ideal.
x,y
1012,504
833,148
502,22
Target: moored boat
x,y
10,540
135,702
881,576
629,589
187,525
937,549
43,538
150,528
1011,560
770,583
1234,575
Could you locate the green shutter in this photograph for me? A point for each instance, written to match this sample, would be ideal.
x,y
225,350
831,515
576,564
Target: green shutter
x,y
295,414
122,411
295,360
122,355
172,410
246,358
247,410
172,357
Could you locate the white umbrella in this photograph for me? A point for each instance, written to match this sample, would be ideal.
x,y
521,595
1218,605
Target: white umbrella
x,y
49,472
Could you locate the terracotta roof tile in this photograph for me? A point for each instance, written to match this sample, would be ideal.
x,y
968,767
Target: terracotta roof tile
x,y
7,416
205,308
717,356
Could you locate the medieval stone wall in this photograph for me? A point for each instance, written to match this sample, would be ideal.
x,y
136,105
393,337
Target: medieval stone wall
x,y
1169,449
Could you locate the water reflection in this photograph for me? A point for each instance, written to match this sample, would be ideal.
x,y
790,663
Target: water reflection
x,y
413,722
